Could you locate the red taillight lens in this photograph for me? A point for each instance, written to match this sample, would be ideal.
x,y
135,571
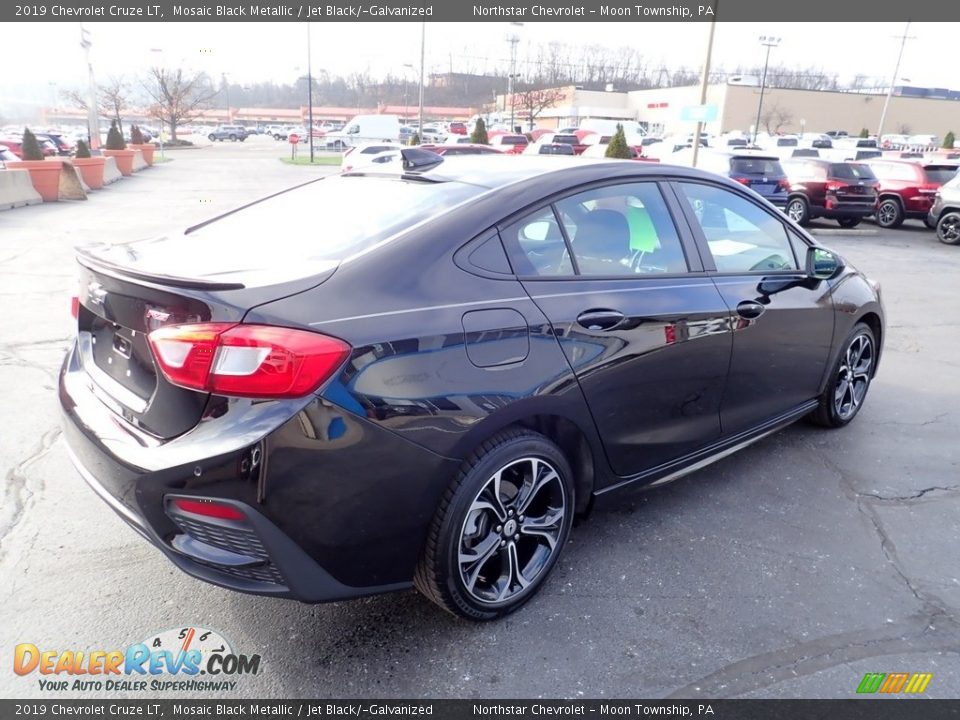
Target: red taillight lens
x,y
209,508
784,184
835,185
256,361
75,307
742,180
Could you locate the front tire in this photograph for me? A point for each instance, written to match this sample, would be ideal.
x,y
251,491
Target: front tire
x,y
889,214
849,382
798,210
500,527
948,229
211,137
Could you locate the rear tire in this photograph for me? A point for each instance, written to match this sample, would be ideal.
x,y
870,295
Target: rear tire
x,y
211,137
848,222
500,527
847,387
798,210
889,214
948,229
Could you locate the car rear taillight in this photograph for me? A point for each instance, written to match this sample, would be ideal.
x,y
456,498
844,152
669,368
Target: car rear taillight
x,y
75,307
834,185
209,508
784,185
928,189
255,361
742,180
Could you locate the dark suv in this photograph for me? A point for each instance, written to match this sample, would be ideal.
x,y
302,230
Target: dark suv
x,y
761,173
907,189
845,192
228,132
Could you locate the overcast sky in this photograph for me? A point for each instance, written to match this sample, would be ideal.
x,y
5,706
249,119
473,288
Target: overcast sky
x,y
249,52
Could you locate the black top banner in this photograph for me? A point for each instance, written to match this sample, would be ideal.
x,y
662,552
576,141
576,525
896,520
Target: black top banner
x,y
915,709
481,11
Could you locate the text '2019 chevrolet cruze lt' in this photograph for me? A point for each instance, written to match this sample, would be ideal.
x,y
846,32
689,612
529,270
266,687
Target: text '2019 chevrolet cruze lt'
x,y
425,378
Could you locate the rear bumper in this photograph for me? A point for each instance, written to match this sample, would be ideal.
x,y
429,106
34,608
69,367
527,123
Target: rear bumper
x,y
847,210
319,524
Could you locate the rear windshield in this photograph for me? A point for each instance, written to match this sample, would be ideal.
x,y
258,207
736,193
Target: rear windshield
x,y
787,142
940,173
755,166
851,171
566,139
513,140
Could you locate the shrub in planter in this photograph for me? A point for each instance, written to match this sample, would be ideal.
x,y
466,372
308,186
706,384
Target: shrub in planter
x,y
137,142
479,134
117,149
949,140
90,168
44,174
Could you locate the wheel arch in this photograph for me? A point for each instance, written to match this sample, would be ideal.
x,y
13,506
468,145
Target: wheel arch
x,y
872,320
580,445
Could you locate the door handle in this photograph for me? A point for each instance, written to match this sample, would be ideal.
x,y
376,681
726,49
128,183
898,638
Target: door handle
x,y
600,319
750,309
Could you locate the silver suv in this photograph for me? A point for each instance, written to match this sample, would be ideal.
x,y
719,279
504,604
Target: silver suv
x,y
945,213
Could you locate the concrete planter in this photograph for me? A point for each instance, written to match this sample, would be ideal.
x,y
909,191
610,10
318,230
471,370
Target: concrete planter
x,y
147,149
91,170
44,174
124,160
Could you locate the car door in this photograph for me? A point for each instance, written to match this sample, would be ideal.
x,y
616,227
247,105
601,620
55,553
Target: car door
x,y
783,320
643,327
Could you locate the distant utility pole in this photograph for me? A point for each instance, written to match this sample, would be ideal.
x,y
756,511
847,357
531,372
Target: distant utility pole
x,y
769,42
423,55
893,80
93,115
309,94
703,84
513,38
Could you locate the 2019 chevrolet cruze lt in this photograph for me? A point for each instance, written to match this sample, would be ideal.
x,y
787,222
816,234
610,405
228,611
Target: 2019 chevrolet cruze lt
x,y
425,378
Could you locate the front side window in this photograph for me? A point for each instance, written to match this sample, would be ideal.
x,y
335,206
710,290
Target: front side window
x,y
742,236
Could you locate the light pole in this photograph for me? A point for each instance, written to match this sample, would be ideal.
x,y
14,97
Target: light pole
x,y
769,42
703,84
513,38
406,87
423,55
893,80
93,116
309,95
159,52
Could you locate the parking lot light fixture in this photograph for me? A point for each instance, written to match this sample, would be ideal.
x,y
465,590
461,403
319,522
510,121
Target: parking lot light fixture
x,y
769,42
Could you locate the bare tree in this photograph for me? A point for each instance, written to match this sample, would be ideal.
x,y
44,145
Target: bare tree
x,y
113,97
179,96
775,117
533,101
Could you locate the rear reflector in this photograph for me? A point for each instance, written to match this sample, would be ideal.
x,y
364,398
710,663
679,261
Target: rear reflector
x,y
255,361
209,508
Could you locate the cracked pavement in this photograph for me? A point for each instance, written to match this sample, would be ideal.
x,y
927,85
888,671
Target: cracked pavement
x,y
788,570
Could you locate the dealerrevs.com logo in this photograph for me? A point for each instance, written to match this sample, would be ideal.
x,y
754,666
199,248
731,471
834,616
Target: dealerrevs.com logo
x,y
182,659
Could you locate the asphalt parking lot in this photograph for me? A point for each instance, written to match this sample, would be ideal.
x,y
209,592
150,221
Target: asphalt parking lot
x,y
788,570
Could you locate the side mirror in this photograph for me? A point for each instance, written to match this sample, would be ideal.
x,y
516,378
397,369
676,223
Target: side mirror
x,y
822,264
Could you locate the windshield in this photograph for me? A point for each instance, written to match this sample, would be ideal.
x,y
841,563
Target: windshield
x,y
755,166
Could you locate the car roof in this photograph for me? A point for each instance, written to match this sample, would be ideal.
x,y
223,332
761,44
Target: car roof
x,y
496,171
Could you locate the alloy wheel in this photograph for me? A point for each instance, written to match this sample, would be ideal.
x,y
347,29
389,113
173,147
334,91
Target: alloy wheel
x,y
853,377
948,230
795,211
511,530
887,213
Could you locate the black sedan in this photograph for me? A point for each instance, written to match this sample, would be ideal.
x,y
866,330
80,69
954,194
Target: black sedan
x,y
424,381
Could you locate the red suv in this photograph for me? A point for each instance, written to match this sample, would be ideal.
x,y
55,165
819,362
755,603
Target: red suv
x,y
843,191
458,128
907,189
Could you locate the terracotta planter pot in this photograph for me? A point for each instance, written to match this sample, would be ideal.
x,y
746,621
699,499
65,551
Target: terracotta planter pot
x,y
91,170
124,160
147,149
44,174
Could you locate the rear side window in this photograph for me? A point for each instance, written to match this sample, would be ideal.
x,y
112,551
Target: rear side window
x,y
742,237
851,171
755,166
940,174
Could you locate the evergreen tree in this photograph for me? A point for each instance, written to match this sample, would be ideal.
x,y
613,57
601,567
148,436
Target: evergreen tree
x,y
31,146
479,134
115,139
618,147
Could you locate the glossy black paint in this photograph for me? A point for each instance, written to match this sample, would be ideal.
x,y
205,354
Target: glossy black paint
x,y
448,347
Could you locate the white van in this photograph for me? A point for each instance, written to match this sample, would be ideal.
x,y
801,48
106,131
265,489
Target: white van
x,y
609,127
364,129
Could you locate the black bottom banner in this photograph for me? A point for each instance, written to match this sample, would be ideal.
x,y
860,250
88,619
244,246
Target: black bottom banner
x,y
859,709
